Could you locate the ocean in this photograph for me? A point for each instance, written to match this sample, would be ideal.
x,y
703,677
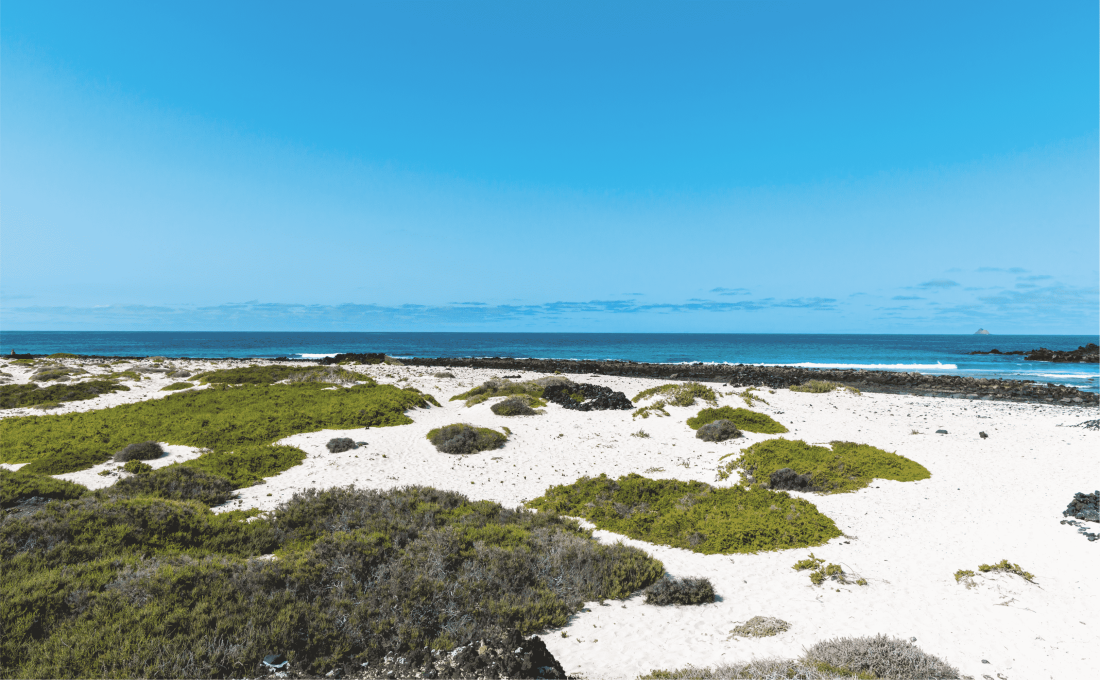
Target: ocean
x,y
937,354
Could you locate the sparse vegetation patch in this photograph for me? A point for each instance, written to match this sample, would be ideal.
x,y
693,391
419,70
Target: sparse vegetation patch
x,y
176,386
16,396
760,626
744,419
244,419
783,463
267,375
692,515
822,386
679,394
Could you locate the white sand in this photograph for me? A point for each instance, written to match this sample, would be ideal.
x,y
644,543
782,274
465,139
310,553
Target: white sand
x,y
987,500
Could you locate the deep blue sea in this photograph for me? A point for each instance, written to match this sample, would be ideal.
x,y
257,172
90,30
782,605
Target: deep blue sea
x,y
945,354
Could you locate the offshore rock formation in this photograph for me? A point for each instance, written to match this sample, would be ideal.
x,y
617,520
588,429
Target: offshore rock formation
x,y
1088,354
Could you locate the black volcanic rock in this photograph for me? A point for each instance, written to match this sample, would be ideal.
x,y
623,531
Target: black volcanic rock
x,y
368,358
1089,354
596,397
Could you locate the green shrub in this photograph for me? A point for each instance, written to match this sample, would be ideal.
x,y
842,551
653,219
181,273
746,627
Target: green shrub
x,y
462,438
176,483
16,396
680,394
822,386
20,486
55,373
360,574
63,355
744,419
515,406
845,467
692,515
136,467
670,590
532,390
1009,568
176,386
139,451
220,418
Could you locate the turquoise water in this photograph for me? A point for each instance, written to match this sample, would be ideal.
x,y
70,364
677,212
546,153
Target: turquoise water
x,y
939,354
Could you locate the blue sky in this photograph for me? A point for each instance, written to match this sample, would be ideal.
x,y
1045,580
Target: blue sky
x,y
683,166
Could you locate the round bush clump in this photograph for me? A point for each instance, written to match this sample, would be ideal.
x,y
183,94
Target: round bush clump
x,y
340,444
879,657
462,438
176,483
670,590
718,431
513,406
443,374
744,419
760,626
136,467
798,466
139,451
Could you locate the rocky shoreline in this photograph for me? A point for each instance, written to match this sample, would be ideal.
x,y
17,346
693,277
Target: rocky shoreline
x,y
775,377
778,377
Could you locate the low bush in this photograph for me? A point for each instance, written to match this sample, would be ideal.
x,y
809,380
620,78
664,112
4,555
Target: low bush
x,y
221,418
513,406
742,418
63,355
55,373
506,388
840,658
139,451
175,483
670,590
718,431
410,572
680,394
657,408
844,467
878,657
462,438
1006,567
136,467
692,515
760,626
16,487
341,444
443,374
176,386
822,386
16,396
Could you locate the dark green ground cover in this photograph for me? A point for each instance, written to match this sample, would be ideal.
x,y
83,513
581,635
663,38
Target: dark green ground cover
x,y
17,396
18,486
245,420
744,419
692,515
147,587
842,468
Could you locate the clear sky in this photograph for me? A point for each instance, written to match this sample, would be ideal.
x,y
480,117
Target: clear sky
x,y
877,167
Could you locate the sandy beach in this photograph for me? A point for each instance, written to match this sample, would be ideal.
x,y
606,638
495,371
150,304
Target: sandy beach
x,y
988,499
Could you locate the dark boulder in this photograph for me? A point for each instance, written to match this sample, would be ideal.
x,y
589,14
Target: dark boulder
x,y
1088,354
786,479
1084,506
340,444
595,397
718,431
353,358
